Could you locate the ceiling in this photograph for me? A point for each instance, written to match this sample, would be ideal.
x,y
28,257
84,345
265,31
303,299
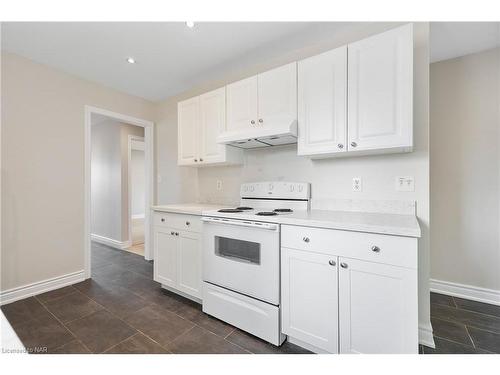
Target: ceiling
x,y
172,58
454,39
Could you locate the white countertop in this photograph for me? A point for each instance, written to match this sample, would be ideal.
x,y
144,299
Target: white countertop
x,y
188,208
380,223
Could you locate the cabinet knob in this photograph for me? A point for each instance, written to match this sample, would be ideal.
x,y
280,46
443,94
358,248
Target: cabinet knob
x,y
376,249
195,160
201,159
176,233
252,122
172,233
343,265
332,263
188,223
340,145
162,219
306,239
261,121
354,144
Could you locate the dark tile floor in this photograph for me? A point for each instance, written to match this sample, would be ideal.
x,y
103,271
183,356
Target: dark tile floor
x,y
122,310
463,326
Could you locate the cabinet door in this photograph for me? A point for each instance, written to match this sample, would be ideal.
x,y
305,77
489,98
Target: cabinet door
x,y
380,73
189,264
188,123
378,310
322,97
310,298
165,265
212,123
242,104
278,96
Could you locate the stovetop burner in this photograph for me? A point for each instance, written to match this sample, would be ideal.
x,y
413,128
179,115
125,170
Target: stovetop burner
x,y
244,208
266,213
230,210
279,210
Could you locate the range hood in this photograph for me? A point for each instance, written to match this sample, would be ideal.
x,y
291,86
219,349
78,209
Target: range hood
x,y
260,137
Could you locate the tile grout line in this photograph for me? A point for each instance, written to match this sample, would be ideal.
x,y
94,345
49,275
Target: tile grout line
x,y
66,328
449,320
467,310
118,343
470,337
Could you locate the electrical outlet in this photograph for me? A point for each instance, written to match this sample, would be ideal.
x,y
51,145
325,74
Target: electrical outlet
x,y
219,185
405,183
357,184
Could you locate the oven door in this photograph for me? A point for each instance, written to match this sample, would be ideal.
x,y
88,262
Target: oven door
x,y
242,256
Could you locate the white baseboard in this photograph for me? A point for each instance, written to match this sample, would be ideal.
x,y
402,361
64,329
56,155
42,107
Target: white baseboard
x,y
425,336
110,242
39,287
466,291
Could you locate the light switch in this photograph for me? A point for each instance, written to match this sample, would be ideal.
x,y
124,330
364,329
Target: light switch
x,y
405,183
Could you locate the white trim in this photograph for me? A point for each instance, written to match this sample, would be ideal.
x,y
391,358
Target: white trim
x,y
425,336
138,216
121,245
149,160
131,140
39,287
473,293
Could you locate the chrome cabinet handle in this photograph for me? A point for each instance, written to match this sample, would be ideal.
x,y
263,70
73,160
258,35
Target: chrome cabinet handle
x,y
252,122
343,265
332,263
340,145
354,144
261,121
376,249
306,239
188,223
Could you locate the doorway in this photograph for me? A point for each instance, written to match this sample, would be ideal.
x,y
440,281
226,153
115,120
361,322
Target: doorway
x,y
118,231
136,192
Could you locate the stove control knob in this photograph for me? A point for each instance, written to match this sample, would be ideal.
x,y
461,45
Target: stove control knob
x,y
301,188
252,188
292,188
271,186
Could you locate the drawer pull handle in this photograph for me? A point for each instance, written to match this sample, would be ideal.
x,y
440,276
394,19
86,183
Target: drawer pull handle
x,y
188,223
162,220
172,233
376,249
306,239
343,265
332,263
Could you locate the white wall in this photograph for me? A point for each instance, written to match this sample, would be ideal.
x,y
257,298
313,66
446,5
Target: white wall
x,y
109,177
138,182
330,178
43,167
465,170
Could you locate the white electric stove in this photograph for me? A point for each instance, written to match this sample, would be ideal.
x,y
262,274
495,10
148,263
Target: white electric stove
x,y
241,257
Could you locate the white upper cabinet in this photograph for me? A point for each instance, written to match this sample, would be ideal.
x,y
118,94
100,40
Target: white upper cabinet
x,y
242,104
277,96
213,123
380,92
200,120
322,99
266,100
188,113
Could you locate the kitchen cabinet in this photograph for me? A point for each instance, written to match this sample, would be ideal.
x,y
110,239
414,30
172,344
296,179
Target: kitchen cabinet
x,y
358,99
200,120
268,100
309,298
377,307
177,247
322,103
369,279
380,91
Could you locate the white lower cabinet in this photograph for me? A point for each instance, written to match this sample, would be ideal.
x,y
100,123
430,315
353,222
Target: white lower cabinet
x,y
177,248
309,299
334,303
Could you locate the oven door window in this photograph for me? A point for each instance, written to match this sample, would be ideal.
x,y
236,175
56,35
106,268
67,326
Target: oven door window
x,y
237,250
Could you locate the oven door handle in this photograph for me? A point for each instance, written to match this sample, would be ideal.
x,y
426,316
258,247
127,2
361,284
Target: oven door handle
x,y
249,224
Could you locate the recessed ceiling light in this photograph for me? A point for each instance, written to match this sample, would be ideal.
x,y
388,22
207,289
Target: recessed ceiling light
x,y
130,60
190,24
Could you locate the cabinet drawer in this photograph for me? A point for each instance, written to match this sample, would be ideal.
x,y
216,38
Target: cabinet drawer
x,y
395,250
191,223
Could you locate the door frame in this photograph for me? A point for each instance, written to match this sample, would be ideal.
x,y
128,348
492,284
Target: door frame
x,y
149,191
132,138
